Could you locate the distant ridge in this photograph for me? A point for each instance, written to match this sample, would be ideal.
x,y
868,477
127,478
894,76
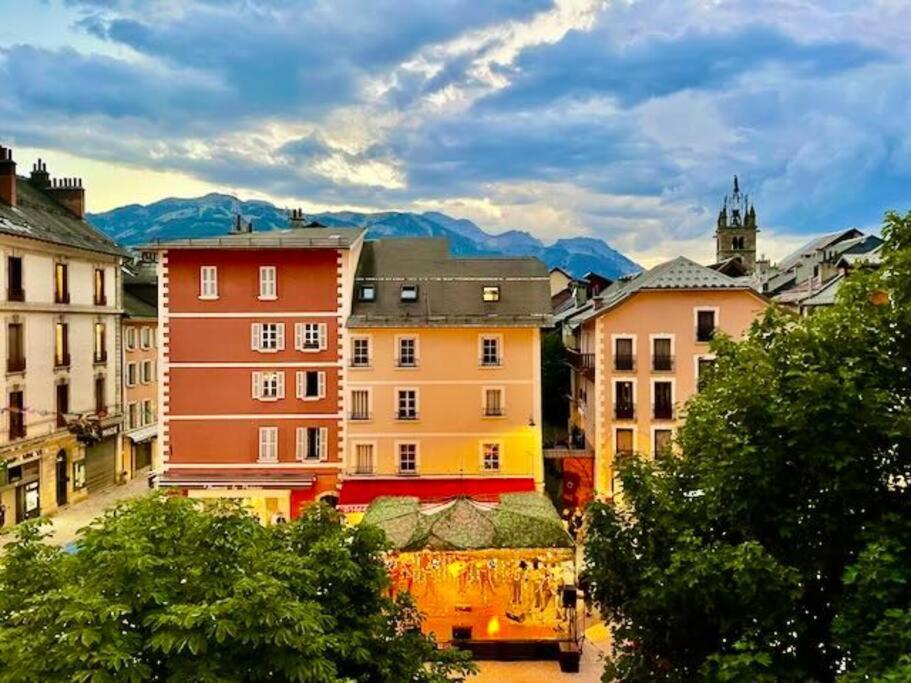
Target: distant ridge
x,y
213,214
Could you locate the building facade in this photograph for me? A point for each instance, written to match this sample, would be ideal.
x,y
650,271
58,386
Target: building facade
x,y
61,308
140,371
251,395
638,353
443,374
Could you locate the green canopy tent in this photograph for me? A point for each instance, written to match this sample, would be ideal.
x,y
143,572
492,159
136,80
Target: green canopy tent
x,y
520,520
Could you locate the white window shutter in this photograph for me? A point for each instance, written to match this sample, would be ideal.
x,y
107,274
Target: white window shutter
x,y
257,384
300,444
323,336
281,336
280,376
256,333
301,384
321,384
299,336
323,443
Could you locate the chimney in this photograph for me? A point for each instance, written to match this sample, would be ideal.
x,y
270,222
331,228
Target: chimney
x,y
298,219
7,177
69,193
241,226
40,178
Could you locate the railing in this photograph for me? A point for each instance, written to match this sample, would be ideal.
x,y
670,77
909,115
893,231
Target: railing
x,y
364,468
662,363
583,362
15,294
491,411
359,415
491,362
662,411
705,333
16,426
624,411
15,364
101,300
407,415
406,362
62,361
359,363
61,297
624,363
101,357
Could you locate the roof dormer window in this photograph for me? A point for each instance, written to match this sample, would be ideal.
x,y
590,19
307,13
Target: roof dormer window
x,y
366,293
409,293
491,293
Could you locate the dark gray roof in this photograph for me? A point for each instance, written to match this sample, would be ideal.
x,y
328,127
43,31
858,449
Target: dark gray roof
x,y
680,273
38,216
298,238
449,288
820,242
136,307
140,290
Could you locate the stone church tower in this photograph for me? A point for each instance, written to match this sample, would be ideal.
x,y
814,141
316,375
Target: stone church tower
x,y
735,236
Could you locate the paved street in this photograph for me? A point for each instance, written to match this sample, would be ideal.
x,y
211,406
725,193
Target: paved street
x,y
67,522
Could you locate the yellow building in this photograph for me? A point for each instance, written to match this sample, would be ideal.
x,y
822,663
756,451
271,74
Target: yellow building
x,y
443,374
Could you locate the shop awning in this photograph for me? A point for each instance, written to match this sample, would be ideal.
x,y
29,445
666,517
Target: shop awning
x,y
519,520
144,434
358,493
238,478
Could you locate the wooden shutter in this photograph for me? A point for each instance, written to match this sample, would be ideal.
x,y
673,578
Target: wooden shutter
x,y
301,382
256,334
280,383
323,443
323,336
280,335
321,384
300,443
299,336
257,385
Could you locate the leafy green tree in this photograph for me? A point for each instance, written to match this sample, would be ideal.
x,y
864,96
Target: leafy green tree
x,y
170,589
769,551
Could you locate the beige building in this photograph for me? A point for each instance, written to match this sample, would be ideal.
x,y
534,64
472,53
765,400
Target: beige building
x,y
140,371
61,309
639,351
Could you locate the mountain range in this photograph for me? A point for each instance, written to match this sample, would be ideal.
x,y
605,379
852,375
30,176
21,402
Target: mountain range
x,y
213,215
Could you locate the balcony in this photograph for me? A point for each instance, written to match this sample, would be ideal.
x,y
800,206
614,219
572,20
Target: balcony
x,y
15,364
406,362
662,411
624,411
16,427
492,411
61,297
662,363
582,362
625,363
62,361
360,416
101,300
359,363
17,294
364,468
705,333
406,415
101,357
490,362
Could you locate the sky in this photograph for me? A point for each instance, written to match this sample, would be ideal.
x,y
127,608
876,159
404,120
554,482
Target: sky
x,y
624,120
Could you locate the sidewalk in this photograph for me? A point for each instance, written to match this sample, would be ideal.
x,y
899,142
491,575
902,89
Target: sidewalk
x,y
67,522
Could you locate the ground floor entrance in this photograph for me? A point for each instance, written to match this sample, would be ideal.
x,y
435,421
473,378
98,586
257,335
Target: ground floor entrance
x,y
101,464
62,471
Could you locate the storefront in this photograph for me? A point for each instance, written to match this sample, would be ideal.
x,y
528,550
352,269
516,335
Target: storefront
x,y
141,444
485,575
20,488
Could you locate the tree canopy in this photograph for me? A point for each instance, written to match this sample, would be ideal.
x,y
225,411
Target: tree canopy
x,y
168,588
777,546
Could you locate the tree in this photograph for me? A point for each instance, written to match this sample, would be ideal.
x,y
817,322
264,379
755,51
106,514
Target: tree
x,y
169,588
756,553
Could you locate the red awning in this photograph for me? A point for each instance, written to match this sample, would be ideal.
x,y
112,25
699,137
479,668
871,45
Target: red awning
x,y
357,493
239,478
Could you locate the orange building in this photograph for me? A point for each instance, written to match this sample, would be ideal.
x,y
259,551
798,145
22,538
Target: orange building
x,y
638,350
443,374
251,382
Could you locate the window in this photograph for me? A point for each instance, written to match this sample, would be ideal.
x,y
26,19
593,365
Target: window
x,y
491,293
16,415
662,356
311,443
148,414
131,374
130,338
63,403
623,354
61,345
311,384
145,337
132,416
490,351
662,445
61,284
408,458
624,443
310,336
409,293
267,282
704,367
208,282
14,291
79,474
663,409
705,325
366,293
268,337
624,401
493,402
147,372
407,404
364,458
268,386
15,348
101,406
101,351
490,457
360,404
268,444
99,298
407,352
360,352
